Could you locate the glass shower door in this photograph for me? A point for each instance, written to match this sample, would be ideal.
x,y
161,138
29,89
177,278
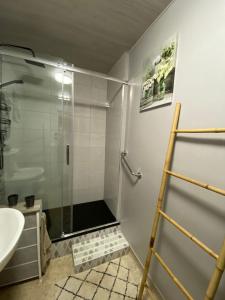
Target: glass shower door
x,y
34,152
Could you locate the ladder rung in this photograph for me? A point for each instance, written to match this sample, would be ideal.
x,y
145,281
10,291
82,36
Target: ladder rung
x,y
171,274
199,130
189,235
196,182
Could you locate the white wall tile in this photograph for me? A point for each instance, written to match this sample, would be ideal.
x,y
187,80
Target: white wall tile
x,y
97,140
99,94
84,124
82,110
97,193
89,140
98,112
82,139
83,79
82,153
83,92
83,195
100,83
98,126
97,153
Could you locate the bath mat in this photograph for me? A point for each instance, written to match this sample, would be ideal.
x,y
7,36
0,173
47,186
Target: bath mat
x,y
109,281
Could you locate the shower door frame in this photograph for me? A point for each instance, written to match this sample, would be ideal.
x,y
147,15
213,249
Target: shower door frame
x,y
68,148
64,66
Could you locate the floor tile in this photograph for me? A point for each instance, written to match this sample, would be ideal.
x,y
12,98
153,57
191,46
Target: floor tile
x,y
101,268
107,282
82,275
73,285
65,296
115,296
131,290
94,277
102,294
87,290
112,269
122,273
119,286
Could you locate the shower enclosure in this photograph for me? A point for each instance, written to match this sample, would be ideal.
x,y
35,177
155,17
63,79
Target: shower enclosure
x,y
60,144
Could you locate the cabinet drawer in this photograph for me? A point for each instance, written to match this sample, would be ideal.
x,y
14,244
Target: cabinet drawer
x,y
30,221
8,276
24,255
28,238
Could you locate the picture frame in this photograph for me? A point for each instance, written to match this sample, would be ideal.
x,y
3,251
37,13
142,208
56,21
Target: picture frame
x,y
158,82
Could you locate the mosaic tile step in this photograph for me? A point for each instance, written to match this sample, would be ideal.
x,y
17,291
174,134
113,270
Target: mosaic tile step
x,y
64,247
89,252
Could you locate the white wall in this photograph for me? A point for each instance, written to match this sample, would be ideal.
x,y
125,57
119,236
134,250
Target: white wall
x,y
199,86
89,139
115,128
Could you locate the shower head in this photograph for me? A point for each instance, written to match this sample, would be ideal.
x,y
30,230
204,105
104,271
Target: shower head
x,y
17,46
11,82
37,64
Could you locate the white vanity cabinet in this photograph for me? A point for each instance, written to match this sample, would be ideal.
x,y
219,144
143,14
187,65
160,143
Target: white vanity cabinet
x,y
26,261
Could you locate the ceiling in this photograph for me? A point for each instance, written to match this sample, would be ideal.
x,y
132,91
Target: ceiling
x,y
91,34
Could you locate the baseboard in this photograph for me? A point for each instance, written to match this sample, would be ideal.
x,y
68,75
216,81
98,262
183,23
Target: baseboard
x,y
156,291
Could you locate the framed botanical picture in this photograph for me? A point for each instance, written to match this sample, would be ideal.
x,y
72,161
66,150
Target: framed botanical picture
x,y
158,81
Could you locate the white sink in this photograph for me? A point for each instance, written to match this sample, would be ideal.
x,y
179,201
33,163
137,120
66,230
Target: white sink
x,y
22,174
11,227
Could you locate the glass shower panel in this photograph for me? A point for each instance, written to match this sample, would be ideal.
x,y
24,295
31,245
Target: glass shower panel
x,y
91,208
68,138
34,162
1,142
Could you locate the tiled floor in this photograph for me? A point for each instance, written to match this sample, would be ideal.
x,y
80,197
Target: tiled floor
x,y
59,270
111,280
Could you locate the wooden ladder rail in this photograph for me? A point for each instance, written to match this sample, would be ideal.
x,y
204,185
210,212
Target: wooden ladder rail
x,y
220,259
165,176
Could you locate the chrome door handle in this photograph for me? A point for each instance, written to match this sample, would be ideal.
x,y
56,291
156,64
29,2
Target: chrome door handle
x,y
67,154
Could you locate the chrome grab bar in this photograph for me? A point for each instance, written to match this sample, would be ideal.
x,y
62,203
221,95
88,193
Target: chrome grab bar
x,y
137,174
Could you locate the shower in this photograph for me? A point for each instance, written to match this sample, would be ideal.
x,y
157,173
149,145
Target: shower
x,y
11,82
63,147
5,121
38,64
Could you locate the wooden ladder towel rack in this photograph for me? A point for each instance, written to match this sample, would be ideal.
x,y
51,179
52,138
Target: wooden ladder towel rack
x,y
220,258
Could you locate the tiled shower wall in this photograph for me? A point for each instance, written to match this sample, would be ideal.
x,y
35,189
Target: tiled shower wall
x,y
115,135
89,139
